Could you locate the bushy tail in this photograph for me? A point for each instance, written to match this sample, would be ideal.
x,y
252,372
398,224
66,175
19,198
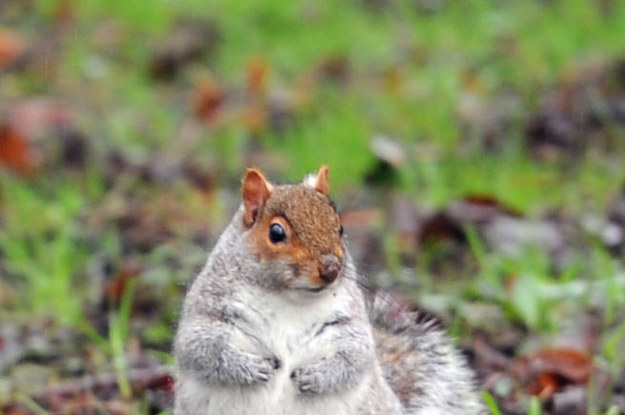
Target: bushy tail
x,y
419,362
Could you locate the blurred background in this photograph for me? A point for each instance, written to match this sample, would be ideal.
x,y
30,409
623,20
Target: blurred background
x,y
476,152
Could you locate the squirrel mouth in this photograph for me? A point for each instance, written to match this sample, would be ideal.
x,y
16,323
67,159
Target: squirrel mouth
x,y
316,289
313,289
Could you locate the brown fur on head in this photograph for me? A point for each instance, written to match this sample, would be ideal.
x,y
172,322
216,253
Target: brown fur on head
x,y
308,255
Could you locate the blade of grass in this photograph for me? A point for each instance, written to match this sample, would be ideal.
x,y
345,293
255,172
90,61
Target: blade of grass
x,y
31,404
118,336
491,403
535,407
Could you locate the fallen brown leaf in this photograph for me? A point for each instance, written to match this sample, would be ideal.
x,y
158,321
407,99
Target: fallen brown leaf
x,y
208,102
65,11
15,409
116,288
549,370
11,47
15,151
257,74
545,387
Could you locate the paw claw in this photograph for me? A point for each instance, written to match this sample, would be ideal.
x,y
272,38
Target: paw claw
x,y
261,368
305,380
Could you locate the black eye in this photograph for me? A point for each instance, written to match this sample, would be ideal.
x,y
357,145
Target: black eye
x,y
341,231
277,233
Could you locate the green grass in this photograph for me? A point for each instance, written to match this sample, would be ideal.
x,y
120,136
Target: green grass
x,y
517,46
491,403
43,247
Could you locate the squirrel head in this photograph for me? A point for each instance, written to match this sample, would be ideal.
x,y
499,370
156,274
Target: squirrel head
x,y
294,230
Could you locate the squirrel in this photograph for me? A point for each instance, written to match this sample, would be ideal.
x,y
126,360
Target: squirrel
x,y
277,323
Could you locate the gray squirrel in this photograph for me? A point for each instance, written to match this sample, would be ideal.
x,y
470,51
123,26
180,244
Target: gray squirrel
x,y
276,323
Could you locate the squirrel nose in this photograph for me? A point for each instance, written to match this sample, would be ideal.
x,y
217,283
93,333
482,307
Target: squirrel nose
x,y
329,268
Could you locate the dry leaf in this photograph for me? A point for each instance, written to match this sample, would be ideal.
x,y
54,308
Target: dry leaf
x,y
257,74
117,287
65,11
549,370
11,47
15,409
15,151
208,102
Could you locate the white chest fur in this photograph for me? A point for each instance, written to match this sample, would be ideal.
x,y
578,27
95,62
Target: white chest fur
x,y
289,329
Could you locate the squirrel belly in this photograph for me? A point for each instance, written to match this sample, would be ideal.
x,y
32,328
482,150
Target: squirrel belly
x,y
193,398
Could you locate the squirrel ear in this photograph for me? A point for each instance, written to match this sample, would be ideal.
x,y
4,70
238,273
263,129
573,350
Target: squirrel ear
x,y
321,182
256,190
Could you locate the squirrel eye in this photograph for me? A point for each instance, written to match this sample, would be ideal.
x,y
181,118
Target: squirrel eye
x,y
277,233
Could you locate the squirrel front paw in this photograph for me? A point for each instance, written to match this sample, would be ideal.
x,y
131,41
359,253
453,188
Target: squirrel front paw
x,y
250,368
262,368
308,379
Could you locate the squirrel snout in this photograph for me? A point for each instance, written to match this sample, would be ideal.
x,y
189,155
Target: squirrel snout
x,y
329,268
